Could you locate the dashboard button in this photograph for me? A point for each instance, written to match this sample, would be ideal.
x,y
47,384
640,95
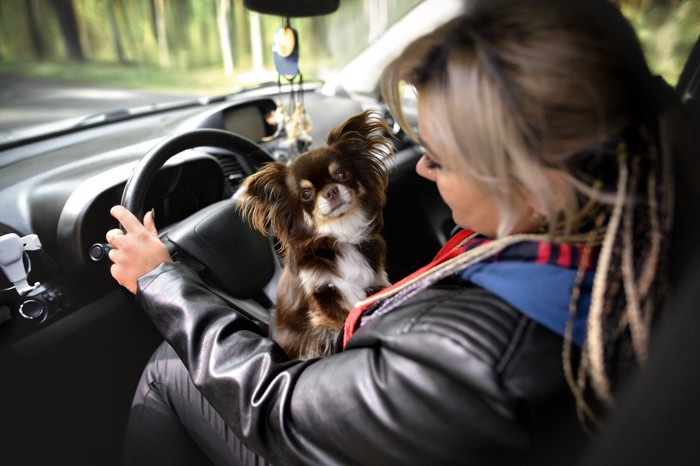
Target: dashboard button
x,y
32,309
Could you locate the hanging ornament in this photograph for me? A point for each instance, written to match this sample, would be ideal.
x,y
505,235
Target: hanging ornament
x,y
285,51
277,119
292,135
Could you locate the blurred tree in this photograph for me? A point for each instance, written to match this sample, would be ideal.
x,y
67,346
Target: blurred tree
x,y
222,16
123,16
318,33
116,34
256,41
241,36
65,12
161,33
35,29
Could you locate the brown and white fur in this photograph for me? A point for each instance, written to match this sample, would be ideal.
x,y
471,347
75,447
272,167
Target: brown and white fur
x,y
325,209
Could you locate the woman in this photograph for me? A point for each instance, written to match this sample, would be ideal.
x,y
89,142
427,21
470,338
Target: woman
x,y
543,138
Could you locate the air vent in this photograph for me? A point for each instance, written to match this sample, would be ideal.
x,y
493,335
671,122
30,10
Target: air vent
x,y
233,169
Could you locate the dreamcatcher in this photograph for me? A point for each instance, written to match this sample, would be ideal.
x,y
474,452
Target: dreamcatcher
x,y
292,135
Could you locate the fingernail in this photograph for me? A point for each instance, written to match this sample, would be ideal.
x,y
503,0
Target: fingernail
x,y
153,214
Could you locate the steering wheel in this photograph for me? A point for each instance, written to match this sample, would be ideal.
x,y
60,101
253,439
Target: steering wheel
x,y
236,258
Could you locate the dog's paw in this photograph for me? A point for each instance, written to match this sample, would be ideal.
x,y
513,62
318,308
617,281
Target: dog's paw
x,y
322,247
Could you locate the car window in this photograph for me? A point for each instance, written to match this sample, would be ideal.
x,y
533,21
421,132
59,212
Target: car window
x,y
667,29
64,60
200,46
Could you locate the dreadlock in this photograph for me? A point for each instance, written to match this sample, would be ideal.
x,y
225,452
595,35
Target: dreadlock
x,y
631,278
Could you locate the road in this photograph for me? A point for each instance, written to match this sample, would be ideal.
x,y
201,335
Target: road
x,y
28,101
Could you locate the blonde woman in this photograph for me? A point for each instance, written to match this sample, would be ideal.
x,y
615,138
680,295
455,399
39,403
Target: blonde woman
x,y
546,135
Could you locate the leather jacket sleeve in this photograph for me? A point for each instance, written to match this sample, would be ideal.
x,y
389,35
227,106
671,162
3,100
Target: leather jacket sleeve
x,y
410,388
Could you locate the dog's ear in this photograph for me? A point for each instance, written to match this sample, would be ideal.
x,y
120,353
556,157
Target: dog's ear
x,y
366,131
366,138
261,194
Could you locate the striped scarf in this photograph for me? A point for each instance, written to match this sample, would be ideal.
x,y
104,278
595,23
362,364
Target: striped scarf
x,y
533,275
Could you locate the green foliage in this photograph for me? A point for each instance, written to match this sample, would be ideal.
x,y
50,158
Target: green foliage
x,y
667,30
120,36
202,81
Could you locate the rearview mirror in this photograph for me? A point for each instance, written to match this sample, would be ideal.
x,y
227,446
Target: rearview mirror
x,y
292,8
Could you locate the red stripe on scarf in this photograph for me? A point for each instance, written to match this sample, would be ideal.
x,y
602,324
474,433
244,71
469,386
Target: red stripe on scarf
x,y
564,259
544,251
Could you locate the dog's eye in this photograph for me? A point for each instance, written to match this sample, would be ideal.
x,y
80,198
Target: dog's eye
x,y
306,194
343,174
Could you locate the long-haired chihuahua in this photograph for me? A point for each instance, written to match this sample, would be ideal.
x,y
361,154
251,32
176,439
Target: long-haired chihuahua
x,y
325,209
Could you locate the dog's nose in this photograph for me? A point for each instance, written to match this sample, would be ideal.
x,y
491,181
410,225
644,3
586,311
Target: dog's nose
x,y
331,193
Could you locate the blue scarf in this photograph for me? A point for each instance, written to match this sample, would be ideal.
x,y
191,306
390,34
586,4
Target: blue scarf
x,y
537,279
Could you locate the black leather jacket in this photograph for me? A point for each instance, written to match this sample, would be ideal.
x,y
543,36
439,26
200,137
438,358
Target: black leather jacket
x,y
455,376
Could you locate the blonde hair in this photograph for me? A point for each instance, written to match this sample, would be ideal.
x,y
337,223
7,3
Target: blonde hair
x,y
512,91
550,104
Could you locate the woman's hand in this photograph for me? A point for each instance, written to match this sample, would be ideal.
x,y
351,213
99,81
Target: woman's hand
x,y
136,252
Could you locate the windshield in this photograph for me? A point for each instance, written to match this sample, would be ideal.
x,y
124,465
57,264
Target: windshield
x,y
64,60
67,62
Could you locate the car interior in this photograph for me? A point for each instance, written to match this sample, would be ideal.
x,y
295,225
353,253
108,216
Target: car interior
x,y
78,339
73,347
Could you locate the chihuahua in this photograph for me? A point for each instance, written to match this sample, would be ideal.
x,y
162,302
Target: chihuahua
x,y
325,209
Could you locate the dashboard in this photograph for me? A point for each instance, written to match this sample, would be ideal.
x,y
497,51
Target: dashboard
x,y
61,189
